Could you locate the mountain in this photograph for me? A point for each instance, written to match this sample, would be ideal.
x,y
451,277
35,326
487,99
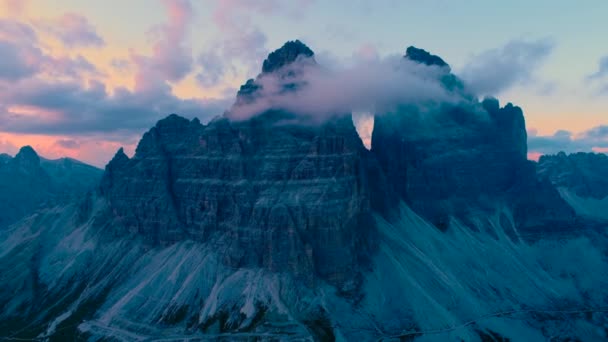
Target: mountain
x,y
580,179
28,183
4,158
272,227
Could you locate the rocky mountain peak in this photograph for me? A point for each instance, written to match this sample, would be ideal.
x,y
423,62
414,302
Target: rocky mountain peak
x,y
119,158
424,57
288,53
27,158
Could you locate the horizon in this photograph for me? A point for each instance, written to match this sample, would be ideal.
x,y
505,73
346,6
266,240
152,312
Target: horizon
x,y
81,83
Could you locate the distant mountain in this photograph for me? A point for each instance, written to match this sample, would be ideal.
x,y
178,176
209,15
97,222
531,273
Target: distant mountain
x,y
275,228
28,183
4,158
582,180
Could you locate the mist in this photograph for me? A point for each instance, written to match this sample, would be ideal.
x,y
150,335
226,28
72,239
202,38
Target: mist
x,y
366,86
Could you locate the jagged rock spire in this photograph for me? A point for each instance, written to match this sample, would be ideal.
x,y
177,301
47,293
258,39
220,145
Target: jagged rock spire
x,y
424,57
27,158
288,53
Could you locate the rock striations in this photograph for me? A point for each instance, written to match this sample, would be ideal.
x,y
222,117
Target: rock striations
x,y
287,197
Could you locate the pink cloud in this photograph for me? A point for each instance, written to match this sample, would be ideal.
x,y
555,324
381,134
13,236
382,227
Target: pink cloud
x,y
73,30
171,58
23,56
14,7
242,43
600,149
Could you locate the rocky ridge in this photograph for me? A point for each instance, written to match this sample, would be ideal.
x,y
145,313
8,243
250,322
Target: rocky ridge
x,y
28,182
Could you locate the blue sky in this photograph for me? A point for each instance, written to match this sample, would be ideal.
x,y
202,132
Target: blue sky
x,y
196,53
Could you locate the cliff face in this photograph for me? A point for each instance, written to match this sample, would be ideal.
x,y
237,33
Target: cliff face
x,y
276,193
446,159
287,198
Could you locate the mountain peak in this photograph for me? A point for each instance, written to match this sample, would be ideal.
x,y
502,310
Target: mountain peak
x,y
424,57
27,157
287,54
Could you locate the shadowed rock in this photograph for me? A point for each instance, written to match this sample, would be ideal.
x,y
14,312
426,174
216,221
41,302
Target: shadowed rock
x,y
29,183
288,53
422,56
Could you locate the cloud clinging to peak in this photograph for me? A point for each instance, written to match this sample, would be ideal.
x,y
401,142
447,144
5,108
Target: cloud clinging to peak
x,y
375,85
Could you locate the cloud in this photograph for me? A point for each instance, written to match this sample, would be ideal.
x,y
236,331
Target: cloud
x,y
602,70
18,49
121,65
497,70
562,140
18,62
68,143
242,46
14,7
69,108
22,56
171,58
367,86
17,32
8,147
600,76
60,103
73,30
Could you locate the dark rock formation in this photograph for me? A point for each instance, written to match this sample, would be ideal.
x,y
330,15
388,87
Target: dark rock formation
x,y
4,158
286,55
285,197
445,160
422,56
277,65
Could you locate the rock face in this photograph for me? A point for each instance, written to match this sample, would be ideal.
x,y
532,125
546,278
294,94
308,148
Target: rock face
x,y
4,158
287,54
444,160
279,65
287,198
424,57
28,182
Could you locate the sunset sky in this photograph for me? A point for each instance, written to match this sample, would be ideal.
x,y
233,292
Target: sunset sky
x,y
82,78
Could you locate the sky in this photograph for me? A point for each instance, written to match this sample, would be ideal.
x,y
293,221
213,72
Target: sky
x,y
82,78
